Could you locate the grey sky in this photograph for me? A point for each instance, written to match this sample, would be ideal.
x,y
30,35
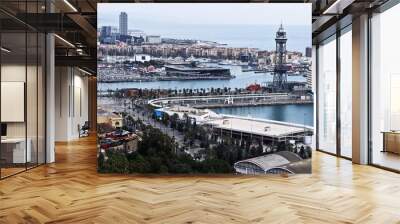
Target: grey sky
x,y
141,15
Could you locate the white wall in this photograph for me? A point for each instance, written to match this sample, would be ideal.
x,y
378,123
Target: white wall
x,y
62,82
71,102
80,112
11,73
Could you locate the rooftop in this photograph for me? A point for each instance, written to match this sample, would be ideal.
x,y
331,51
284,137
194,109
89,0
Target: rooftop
x,y
284,159
257,127
268,161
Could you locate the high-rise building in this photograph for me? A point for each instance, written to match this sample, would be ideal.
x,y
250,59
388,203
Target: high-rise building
x,y
123,23
105,31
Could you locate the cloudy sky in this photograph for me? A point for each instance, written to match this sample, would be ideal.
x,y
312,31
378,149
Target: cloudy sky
x,y
153,14
234,24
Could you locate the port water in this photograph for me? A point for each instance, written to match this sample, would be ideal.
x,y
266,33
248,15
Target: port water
x,y
241,80
301,114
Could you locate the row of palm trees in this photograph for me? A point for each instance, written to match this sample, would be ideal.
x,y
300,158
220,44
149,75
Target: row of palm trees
x,y
156,93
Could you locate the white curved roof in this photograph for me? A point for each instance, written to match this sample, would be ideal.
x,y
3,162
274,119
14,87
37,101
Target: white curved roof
x,y
282,160
268,161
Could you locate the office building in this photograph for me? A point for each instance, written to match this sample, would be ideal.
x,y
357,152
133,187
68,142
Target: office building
x,y
105,31
48,171
123,23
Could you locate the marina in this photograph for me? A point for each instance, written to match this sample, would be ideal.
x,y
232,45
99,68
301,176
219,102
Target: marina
x,y
240,80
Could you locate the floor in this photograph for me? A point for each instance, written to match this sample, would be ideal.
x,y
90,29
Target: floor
x,y
10,171
71,191
5,172
387,159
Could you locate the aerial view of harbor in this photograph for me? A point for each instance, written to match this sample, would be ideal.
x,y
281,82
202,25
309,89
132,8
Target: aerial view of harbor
x,y
204,91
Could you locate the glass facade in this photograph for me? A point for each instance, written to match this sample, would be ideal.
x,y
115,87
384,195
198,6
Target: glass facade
x,y
327,95
334,70
22,87
385,89
345,61
335,93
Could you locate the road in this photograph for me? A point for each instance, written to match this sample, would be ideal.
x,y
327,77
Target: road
x,y
139,110
146,117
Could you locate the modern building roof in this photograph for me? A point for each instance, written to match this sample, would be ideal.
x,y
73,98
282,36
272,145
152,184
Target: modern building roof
x,y
257,127
286,161
302,166
268,161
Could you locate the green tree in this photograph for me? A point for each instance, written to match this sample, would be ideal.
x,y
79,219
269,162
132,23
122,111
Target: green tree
x,y
173,120
216,166
165,119
139,164
117,163
100,163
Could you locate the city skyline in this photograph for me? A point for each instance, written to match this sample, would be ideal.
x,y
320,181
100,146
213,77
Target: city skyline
x,y
202,58
230,29
147,14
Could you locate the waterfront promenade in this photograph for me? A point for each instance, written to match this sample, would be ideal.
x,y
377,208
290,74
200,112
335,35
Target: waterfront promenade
x,y
238,125
216,101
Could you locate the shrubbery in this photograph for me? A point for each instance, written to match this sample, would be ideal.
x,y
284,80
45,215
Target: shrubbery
x,y
159,153
156,154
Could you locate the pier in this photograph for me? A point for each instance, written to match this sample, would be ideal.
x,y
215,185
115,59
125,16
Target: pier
x,y
262,129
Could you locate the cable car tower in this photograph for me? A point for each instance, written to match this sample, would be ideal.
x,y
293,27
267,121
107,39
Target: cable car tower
x,y
280,72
